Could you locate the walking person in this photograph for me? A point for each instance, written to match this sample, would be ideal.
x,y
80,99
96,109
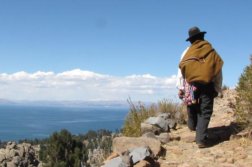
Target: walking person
x,y
199,82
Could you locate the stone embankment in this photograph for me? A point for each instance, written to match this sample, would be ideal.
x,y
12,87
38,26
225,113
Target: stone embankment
x,y
145,150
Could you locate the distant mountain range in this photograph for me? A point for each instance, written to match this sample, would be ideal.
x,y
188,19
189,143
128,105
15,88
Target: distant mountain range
x,y
4,101
66,103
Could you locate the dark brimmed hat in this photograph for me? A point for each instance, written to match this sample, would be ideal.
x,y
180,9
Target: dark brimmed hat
x,y
193,32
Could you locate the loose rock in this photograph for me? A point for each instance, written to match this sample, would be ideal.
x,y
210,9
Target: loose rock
x,y
122,144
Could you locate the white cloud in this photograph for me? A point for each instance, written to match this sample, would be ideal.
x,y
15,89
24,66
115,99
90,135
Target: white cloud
x,y
80,75
84,85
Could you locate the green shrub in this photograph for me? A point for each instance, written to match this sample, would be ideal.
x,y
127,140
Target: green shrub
x,y
62,150
139,113
244,98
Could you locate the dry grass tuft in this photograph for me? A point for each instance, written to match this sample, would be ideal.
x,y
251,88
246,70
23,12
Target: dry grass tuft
x,y
139,113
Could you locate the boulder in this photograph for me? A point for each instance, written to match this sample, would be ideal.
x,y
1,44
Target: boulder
x,y
116,162
126,158
172,123
140,157
122,144
158,121
145,128
164,138
163,121
139,154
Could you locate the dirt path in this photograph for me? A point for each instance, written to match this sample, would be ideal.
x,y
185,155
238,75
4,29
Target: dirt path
x,y
223,152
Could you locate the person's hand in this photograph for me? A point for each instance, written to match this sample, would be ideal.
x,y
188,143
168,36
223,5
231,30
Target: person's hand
x,y
180,94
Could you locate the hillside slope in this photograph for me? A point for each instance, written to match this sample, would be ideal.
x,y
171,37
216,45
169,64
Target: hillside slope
x,y
224,152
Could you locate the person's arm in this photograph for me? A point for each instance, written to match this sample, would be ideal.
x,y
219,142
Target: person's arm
x,y
180,79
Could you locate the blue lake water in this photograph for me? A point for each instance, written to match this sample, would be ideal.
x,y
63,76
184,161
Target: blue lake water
x,y
29,122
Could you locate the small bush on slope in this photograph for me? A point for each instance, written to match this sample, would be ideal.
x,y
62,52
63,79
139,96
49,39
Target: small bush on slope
x,y
244,98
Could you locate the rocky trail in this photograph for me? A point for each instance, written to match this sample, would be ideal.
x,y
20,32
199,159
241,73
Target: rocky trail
x,y
227,149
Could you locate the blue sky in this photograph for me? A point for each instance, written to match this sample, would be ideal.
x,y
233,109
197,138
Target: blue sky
x,y
115,39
